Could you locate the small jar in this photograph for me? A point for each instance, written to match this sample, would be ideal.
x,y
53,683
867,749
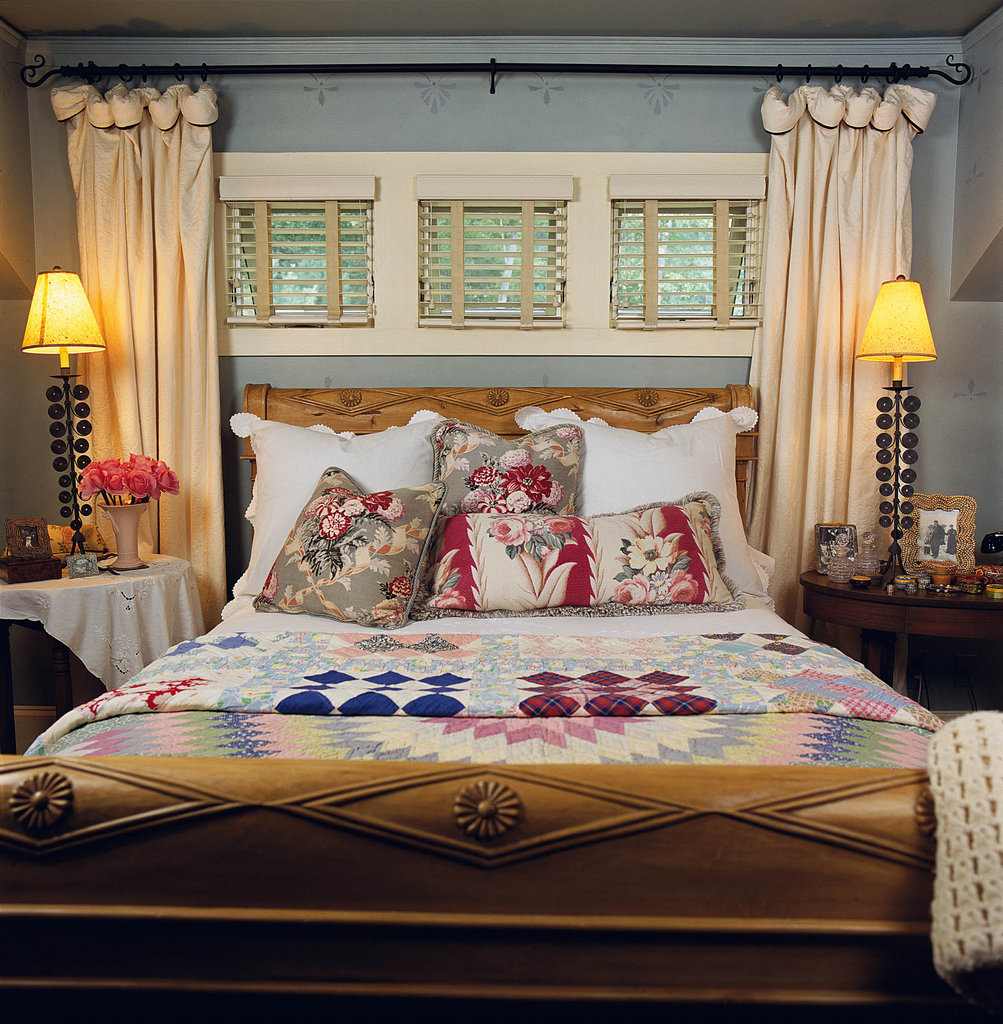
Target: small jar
x,y
995,590
911,585
841,565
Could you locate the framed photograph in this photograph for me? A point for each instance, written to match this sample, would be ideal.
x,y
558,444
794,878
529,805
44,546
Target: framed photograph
x,y
828,537
79,566
942,532
28,538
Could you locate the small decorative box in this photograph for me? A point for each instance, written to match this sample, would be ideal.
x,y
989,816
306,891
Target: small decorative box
x,y
994,590
30,570
968,583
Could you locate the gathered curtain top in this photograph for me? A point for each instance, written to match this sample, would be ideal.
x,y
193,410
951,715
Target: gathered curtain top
x,y
123,108
841,105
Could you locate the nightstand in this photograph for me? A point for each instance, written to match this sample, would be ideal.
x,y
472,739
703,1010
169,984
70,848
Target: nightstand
x,y
115,623
880,616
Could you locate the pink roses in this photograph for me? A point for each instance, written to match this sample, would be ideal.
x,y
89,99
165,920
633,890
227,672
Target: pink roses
x,y
140,477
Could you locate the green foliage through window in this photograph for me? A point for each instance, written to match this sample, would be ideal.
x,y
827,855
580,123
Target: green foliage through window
x,y
303,261
491,261
685,261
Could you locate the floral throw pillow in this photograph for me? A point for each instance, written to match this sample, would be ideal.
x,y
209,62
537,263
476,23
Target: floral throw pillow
x,y
653,559
354,556
484,472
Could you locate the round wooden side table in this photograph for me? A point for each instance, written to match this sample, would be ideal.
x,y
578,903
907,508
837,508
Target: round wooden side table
x,y
880,616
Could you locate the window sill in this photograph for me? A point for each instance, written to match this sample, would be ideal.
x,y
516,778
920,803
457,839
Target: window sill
x,y
477,340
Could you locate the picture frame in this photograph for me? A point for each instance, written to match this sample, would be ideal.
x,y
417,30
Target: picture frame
x,y
27,538
942,533
81,566
828,536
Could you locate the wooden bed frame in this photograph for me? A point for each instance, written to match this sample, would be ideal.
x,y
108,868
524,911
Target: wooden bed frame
x,y
195,879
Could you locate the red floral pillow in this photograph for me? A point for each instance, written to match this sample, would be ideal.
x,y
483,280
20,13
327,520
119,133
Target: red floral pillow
x,y
653,559
354,556
484,472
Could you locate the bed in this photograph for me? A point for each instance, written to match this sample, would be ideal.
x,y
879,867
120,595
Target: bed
x,y
492,801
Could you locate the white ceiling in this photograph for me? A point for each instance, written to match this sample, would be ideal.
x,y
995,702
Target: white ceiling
x,y
771,19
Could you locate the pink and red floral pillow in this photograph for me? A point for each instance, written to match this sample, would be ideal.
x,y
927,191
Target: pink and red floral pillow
x,y
354,556
486,473
654,559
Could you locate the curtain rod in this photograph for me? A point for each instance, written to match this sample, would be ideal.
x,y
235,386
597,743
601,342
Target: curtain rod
x,y
92,72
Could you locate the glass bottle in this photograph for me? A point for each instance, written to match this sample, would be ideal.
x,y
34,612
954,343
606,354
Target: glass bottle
x,y
867,561
841,566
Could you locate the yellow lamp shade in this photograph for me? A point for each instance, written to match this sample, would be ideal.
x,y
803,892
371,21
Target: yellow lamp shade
x,y
61,319
898,329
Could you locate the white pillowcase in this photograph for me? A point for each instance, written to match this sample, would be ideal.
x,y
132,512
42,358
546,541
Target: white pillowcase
x,y
290,461
625,468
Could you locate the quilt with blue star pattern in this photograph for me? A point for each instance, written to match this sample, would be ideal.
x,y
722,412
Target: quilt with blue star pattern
x,y
457,676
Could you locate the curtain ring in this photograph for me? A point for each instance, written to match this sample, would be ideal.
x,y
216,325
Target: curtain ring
x,y
807,75
123,73
865,74
839,74
178,73
780,73
205,74
143,68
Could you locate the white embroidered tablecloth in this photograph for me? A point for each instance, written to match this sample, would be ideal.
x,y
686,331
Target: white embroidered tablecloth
x,y
115,624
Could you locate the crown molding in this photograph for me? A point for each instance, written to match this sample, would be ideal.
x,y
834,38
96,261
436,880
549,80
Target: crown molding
x,y
9,34
983,29
60,50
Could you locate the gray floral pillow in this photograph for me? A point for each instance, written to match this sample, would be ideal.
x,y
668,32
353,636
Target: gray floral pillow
x,y
354,556
484,472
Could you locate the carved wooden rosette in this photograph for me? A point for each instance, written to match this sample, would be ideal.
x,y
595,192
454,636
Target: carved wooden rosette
x,y
42,801
486,809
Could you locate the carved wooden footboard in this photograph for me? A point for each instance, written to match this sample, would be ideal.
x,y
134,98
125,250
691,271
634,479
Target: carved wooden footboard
x,y
775,885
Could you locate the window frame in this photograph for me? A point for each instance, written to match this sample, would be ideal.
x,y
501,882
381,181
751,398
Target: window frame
x,y
657,196
257,205
437,218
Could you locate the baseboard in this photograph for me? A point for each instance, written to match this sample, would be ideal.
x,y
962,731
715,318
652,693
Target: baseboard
x,y
29,721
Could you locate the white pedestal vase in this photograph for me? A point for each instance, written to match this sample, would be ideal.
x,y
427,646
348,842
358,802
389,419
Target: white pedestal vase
x,y
125,523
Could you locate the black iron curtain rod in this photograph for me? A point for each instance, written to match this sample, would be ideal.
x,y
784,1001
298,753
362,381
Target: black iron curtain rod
x,y
92,72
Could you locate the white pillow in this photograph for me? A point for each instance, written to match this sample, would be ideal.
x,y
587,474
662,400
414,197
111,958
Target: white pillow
x,y
290,461
625,468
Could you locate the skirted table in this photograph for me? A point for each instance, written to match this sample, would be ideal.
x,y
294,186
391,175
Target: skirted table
x,y
115,623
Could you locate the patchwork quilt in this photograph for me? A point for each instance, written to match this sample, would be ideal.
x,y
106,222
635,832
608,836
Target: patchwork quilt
x,y
757,698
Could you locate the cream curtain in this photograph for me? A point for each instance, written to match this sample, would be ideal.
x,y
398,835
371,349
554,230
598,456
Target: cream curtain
x,y
838,223
141,163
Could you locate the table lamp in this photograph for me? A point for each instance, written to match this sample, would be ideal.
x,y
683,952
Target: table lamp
x,y
62,322
898,331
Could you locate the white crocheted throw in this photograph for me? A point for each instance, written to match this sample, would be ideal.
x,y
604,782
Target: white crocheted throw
x,y
966,777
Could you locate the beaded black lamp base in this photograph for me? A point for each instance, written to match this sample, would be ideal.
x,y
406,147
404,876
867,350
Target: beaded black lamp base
x,y
68,410
897,455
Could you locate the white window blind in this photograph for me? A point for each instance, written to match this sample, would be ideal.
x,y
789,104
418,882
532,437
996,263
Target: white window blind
x,y
300,261
685,262
491,262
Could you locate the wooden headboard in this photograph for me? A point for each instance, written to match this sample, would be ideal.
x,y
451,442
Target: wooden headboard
x,y
366,410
